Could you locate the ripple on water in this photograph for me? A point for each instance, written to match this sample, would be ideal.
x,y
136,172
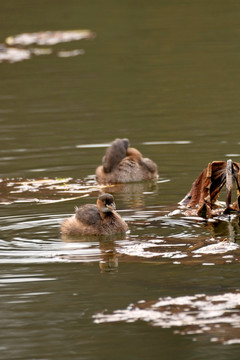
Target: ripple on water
x,y
183,241
155,233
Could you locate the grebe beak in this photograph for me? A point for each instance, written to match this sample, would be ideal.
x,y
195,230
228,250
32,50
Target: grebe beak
x,y
111,206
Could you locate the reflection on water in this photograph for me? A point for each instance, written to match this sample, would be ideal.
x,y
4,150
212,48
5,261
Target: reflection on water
x,y
65,189
134,194
48,37
218,315
13,51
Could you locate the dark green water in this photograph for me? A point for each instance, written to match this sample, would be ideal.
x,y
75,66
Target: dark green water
x,y
166,75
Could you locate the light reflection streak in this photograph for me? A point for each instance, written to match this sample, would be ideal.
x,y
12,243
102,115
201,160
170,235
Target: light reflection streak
x,y
216,315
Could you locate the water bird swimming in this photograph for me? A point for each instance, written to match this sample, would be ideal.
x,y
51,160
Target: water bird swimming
x,y
100,219
123,164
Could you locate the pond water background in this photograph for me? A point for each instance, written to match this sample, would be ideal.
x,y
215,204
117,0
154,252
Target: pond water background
x,y
166,75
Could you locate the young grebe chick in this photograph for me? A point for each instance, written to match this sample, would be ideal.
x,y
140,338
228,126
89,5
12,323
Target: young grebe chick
x,y
100,219
122,164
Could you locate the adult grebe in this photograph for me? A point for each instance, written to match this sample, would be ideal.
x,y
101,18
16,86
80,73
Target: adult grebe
x,y
122,164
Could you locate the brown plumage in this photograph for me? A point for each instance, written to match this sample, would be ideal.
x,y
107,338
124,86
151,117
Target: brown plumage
x,y
100,219
122,164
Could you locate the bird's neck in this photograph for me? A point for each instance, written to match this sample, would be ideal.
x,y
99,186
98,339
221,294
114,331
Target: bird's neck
x,y
106,215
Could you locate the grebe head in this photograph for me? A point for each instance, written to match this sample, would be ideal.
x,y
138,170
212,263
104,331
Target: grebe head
x,y
105,203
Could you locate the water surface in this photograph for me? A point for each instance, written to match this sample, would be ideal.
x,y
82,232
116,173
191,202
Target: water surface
x,y
164,74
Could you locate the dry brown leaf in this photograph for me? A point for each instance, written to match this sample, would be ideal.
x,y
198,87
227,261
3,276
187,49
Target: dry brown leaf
x,y
202,198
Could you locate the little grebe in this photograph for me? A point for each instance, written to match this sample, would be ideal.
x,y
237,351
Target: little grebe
x,y
100,219
122,164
